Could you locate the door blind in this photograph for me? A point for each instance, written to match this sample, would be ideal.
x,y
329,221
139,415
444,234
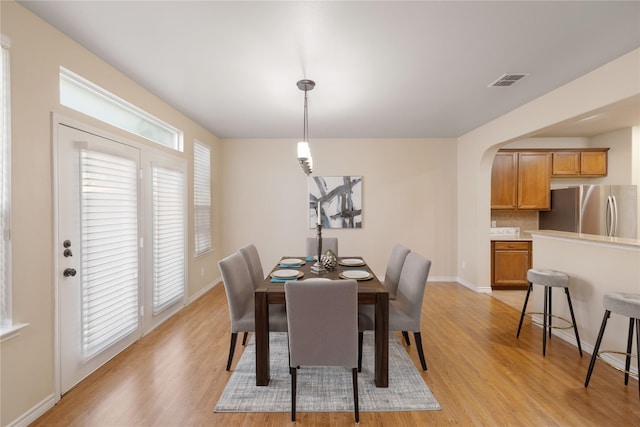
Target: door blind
x,y
109,232
168,237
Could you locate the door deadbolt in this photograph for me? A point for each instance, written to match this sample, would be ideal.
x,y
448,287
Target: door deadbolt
x,y
67,253
66,243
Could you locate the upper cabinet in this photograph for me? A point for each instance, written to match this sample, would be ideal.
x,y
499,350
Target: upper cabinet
x,y
579,163
521,180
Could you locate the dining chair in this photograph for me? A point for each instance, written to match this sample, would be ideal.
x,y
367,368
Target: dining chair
x,y
406,309
322,317
392,275
327,243
240,296
394,268
252,259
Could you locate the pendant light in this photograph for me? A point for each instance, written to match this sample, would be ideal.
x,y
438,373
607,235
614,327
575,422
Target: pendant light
x,y
304,152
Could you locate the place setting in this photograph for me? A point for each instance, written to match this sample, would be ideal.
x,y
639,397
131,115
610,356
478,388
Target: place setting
x,y
281,276
291,263
356,274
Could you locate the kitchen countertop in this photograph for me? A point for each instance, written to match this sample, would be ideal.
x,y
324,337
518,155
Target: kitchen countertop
x,y
522,237
617,241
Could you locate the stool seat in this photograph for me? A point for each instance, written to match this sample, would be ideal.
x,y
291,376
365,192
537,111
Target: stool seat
x,y
623,303
548,278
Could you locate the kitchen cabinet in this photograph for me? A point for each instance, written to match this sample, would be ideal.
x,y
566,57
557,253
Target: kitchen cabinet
x,y
510,261
521,180
579,163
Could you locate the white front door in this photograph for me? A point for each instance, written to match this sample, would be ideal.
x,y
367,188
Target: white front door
x,y
98,250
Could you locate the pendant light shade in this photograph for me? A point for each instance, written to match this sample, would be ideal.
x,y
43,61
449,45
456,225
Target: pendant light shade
x,y
304,152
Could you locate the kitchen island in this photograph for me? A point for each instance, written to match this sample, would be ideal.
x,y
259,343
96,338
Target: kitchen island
x,y
597,265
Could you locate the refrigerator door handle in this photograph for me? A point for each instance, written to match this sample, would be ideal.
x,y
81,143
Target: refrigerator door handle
x,y
614,215
608,216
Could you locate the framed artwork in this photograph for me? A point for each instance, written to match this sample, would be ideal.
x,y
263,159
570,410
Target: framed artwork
x,y
340,200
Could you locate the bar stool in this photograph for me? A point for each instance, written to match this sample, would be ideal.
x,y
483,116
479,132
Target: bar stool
x,y
624,304
549,279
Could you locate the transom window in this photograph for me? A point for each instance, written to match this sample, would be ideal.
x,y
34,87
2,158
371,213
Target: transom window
x,y
82,95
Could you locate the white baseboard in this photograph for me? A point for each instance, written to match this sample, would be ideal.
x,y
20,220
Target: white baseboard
x,y
474,287
34,413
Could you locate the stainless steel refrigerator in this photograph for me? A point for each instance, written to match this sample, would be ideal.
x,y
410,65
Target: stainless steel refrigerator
x,y
607,210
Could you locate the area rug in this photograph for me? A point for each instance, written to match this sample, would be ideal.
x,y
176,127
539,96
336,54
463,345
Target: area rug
x,y
326,389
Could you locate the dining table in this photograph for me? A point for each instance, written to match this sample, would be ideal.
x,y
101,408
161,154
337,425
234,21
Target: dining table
x,y
370,291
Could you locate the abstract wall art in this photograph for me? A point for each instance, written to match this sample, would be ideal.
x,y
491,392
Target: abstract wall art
x,y
340,198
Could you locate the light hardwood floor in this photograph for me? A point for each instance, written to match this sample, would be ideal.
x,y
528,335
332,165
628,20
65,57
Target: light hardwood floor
x,y
478,371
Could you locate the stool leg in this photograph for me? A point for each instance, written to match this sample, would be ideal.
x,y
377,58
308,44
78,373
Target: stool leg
x,y
627,362
594,356
524,309
573,319
549,288
544,321
638,350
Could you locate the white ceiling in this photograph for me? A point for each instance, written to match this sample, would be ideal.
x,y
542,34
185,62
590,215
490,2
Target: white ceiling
x,y
382,69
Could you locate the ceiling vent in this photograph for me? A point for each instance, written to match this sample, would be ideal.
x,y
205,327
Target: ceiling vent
x,y
508,79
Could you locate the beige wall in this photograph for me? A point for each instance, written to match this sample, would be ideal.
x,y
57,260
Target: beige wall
x,y
37,52
613,82
430,194
408,197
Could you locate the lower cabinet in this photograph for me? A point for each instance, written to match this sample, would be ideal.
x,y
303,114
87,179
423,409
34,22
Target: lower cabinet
x,y
510,261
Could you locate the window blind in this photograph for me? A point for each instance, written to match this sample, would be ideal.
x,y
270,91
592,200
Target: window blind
x,y
202,197
109,231
168,237
5,187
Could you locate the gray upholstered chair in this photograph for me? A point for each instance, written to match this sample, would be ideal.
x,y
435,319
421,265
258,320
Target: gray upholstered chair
x,y
394,268
392,275
239,289
252,259
327,243
322,317
406,309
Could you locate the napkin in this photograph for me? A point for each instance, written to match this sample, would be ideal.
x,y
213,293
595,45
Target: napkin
x,y
276,280
310,258
290,265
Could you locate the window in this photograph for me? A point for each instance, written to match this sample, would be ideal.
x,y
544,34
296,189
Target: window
x,y
202,197
82,95
168,237
7,327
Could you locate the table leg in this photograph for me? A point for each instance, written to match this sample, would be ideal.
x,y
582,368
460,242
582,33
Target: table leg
x,y
382,340
262,339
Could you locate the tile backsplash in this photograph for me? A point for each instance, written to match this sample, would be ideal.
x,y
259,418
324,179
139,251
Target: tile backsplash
x,y
526,220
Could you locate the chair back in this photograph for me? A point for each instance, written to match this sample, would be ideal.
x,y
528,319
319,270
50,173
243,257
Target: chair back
x,y
413,280
252,259
238,287
322,317
327,243
394,268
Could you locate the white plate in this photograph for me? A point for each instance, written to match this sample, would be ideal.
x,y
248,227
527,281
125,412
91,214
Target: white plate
x,y
352,261
285,274
355,274
291,261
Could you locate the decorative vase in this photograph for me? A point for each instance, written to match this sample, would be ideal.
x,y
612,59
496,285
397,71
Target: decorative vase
x,y
329,260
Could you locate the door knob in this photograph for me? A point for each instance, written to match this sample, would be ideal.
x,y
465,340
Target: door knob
x,y
69,272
